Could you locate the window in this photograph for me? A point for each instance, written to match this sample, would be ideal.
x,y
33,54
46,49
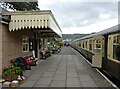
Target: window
x,y
86,44
114,39
98,44
93,44
80,45
118,39
116,47
25,44
90,45
116,52
83,44
30,44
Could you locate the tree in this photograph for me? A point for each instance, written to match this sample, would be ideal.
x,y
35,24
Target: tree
x,y
21,6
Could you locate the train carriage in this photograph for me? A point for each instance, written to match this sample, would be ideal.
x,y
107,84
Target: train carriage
x,y
102,49
113,54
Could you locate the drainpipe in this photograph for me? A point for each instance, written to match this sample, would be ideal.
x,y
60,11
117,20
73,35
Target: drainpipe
x,y
38,45
35,44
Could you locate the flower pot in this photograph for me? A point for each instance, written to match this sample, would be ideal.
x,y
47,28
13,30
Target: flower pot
x,y
7,78
10,78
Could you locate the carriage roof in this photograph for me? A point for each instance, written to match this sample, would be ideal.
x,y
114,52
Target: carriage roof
x,y
110,30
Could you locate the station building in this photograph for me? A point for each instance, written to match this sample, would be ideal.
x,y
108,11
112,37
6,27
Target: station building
x,y
24,31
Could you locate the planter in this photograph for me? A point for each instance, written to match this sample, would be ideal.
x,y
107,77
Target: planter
x,y
11,73
10,78
14,83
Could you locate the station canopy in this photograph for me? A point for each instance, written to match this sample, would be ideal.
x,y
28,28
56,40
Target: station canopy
x,y
40,21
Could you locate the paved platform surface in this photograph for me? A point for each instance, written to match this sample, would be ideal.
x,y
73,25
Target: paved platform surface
x,y
65,69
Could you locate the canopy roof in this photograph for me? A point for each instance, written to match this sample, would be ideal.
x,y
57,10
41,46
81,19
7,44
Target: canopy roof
x,y
42,21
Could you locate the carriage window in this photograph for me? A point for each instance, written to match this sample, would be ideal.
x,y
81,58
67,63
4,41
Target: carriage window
x,y
83,45
118,39
90,45
93,44
98,44
114,40
86,44
116,47
80,45
116,52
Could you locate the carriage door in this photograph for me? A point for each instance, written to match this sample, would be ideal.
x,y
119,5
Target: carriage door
x,y
97,50
114,55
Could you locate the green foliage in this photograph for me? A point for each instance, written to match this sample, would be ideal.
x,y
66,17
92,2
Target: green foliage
x,y
7,72
12,70
21,6
72,36
17,70
54,42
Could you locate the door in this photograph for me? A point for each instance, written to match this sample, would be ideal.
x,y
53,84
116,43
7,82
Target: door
x,y
33,45
104,48
97,57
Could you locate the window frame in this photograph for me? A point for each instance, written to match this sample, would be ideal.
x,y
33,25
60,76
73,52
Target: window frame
x,y
98,43
115,43
90,45
25,44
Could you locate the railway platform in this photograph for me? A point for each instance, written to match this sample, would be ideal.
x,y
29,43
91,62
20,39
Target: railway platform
x,y
65,69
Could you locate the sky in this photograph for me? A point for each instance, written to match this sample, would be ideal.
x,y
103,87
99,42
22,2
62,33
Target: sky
x,y
77,16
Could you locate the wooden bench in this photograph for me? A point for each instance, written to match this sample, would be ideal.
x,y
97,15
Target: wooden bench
x,y
20,62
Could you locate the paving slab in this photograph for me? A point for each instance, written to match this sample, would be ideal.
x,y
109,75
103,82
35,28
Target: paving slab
x,y
72,74
85,78
59,77
71,69
58,83
73,82
45,80
51,69
34,77
88,84
28,84
48,74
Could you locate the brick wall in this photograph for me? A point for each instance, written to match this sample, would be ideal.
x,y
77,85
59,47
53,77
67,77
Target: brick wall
x,y
0,48
12,44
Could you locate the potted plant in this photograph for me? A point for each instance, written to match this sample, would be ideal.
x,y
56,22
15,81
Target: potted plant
x,y
11,73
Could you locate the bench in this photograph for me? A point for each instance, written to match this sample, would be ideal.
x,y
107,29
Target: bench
x,y
20,62
31,58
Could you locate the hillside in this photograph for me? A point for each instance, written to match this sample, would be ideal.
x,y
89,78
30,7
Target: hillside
x,y
72,36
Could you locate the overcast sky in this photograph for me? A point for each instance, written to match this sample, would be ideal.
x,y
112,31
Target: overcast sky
x,y
75,16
